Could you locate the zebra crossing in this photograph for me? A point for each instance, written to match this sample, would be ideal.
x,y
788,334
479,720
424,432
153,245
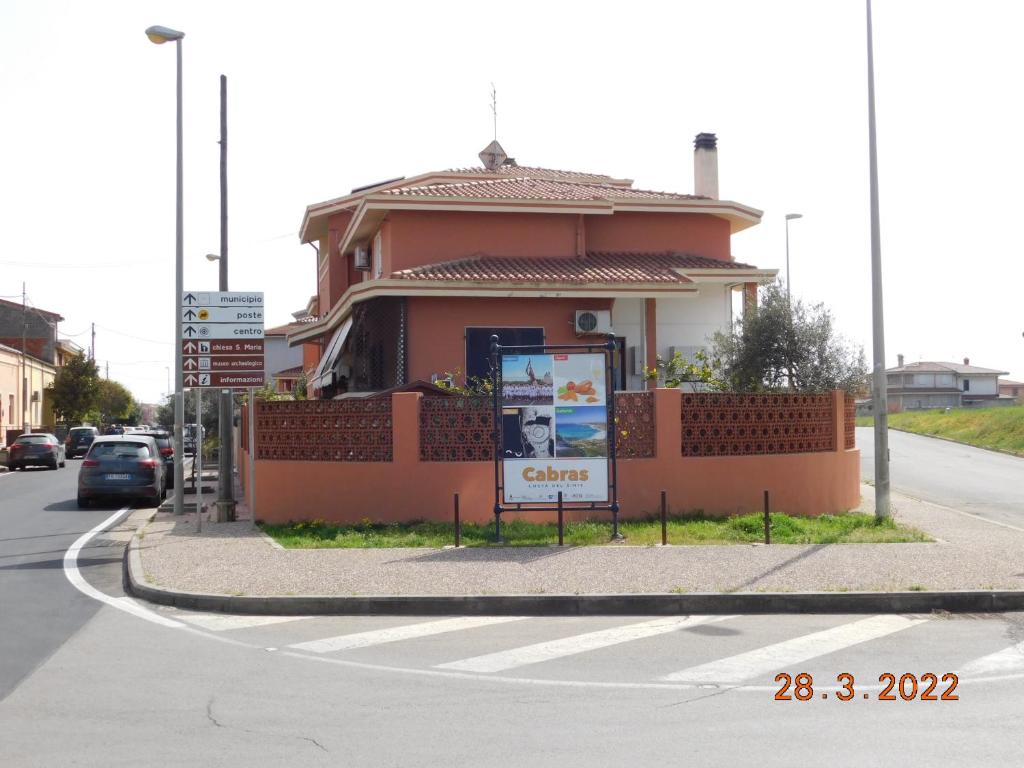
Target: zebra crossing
x,y
693,650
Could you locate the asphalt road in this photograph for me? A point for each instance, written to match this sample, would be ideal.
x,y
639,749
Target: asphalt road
x,y
90,683
974,480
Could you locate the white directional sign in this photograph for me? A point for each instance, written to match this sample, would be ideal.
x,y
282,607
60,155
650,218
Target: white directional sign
x,y
221,340
221,314
222,330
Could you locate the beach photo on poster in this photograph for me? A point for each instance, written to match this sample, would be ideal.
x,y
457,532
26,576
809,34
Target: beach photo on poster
x,y
527,380
580,379
527,432
581,431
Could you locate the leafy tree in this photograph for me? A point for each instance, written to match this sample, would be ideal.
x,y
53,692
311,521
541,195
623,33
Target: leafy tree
x,y
74,390
165,412
301,387
787,347
697,374
114,403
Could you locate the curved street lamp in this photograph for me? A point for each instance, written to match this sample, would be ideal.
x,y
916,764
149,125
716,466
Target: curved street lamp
x,y
161,35
789,218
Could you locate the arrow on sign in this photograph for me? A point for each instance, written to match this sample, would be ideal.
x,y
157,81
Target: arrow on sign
x,y
190,298
190,362
190,331
190,315
190,346
190,380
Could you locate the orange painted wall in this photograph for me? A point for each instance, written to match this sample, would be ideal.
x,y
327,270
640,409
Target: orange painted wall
x,y
425,237
437,326
405,489
699,234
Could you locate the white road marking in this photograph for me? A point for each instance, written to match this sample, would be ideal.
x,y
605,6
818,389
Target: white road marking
x,y
1007,660
405,632
779,656
127,604
222,622
570,646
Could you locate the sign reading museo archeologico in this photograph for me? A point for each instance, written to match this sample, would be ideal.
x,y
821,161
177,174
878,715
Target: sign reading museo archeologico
x,y
554,426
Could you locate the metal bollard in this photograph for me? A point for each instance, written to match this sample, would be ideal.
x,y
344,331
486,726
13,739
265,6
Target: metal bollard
x,y
767,521
458,523
561,521
664,520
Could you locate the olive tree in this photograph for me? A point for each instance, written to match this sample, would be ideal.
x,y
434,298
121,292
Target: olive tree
x,y
787,346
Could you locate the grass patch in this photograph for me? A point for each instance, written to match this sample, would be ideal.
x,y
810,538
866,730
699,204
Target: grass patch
x,y
1000,429
853,528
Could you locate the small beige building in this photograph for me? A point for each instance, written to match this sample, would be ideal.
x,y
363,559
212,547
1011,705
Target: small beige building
x,y
33,410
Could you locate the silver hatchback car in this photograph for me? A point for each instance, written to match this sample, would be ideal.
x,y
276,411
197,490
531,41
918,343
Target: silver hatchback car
x,y
124,466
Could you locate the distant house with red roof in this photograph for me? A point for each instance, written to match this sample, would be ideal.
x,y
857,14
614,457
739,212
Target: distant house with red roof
x,y
415,274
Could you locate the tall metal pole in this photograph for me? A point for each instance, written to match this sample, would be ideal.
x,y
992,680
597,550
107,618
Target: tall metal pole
x,y
878,326
198,458
225,486
25,421
179,250
788,296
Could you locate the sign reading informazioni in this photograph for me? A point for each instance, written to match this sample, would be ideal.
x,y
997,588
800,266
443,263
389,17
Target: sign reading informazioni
x,y
554,427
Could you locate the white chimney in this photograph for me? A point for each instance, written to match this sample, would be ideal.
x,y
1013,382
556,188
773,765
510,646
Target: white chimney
x,y
900,359
705,165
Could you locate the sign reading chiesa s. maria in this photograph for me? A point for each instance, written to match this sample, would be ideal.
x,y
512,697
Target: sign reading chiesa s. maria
x,y
221,342
554,427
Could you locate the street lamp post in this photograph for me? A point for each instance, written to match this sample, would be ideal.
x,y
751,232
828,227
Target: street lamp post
x,y
880,402
160,35
789,218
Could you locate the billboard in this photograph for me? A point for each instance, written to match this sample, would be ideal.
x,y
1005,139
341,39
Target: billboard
x,y
554,427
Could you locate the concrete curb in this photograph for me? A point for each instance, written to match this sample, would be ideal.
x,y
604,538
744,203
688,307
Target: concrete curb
x,y
656,604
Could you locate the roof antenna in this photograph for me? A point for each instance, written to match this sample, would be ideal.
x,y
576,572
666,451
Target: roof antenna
x,y
493,157
494,109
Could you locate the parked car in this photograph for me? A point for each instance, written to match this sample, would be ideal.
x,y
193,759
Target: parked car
x,y
39,449
165,443
78,441
123,466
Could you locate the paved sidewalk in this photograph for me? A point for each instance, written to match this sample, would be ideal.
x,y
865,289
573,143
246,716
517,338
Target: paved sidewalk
x,y
234,559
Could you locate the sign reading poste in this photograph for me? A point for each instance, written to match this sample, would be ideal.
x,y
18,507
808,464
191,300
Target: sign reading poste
x,y
554,427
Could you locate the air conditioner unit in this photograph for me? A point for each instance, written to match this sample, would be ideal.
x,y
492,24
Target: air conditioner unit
x,y
593,321
362,258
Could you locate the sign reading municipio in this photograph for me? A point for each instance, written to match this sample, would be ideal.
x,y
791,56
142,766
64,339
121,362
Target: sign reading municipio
x,y
554,406
221,340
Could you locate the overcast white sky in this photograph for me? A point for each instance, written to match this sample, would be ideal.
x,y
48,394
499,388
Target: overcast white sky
x,y
326,96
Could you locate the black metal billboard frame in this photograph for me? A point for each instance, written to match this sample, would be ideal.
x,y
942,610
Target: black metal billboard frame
x,y
497,350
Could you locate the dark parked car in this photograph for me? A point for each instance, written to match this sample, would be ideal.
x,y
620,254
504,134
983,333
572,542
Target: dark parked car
x,y
166,446
125,466
39,449
78,441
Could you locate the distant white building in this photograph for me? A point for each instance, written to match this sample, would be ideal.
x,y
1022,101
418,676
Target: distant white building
x,y
928,384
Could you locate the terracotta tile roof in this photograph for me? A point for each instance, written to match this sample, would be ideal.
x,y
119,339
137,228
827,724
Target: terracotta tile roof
x,y
529,188
281,330
289,373
536,173
928,366
602,267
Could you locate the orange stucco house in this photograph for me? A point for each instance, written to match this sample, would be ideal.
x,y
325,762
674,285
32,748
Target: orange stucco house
x,y
415,274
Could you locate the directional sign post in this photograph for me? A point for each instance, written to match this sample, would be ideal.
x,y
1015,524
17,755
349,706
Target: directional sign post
x,y
221,344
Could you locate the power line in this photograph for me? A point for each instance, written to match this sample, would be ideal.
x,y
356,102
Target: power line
x,y
130,336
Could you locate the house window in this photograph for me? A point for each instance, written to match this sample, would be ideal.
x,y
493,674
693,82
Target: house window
x,y
478,346
967,385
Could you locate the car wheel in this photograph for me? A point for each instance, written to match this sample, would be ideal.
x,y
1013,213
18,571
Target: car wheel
x,y
83,503
63,463
54,465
